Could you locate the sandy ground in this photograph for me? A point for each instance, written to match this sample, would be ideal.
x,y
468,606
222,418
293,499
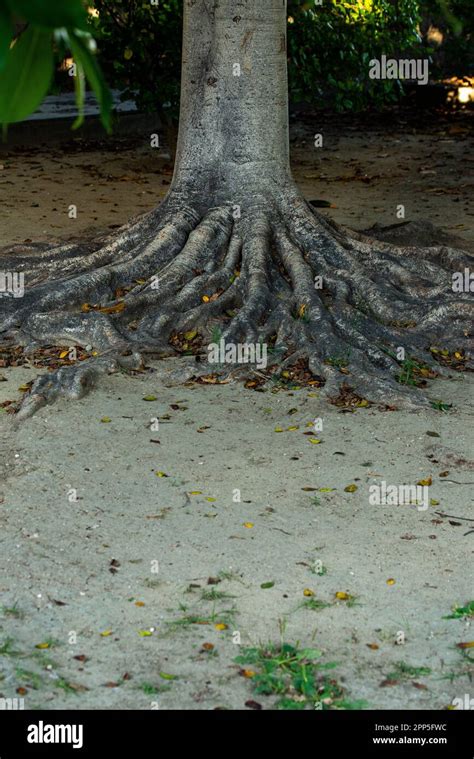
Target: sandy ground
x,y
100,595
366,168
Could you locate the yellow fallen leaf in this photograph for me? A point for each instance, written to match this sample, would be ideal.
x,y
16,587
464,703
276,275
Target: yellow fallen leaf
x,y
139,603
115,309
220,626
468,644
363,403
314,440
248,673
248,525
308,592
106,633
63,354
145,633
150,398
373,646
434,502
196,492
127,54
189,336
326,490
341,596
426,482
211,500
161,474
350,489
291,429
457,355
312,395
23,388
285,374
302,310
390,581
106,419
206,298
278,429
42,645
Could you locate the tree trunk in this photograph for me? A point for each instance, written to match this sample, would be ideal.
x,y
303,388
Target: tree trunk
x,y
233,135
234,247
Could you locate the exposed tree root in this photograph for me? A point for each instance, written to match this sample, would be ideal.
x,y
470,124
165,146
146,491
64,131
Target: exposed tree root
x,y
180,269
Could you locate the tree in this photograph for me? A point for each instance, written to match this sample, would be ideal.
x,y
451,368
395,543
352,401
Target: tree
x,y
235,246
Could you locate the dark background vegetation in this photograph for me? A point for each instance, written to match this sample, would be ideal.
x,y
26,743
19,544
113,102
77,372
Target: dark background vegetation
x,y
329,47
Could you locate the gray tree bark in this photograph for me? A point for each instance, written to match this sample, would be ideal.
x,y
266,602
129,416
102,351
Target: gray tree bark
x,y
235,246
233,136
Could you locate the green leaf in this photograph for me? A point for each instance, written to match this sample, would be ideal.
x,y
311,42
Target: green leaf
x,y
81,50
6,33
26,77
80,92
50,13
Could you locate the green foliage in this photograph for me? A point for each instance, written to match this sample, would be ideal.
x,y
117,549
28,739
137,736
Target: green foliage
x,y
455,20
27,74
330,47
461,612
48,31
140,47
294,674
50,13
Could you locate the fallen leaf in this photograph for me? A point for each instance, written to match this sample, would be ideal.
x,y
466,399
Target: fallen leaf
x,y
426,482
248,525
308,592
220,626
350,489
